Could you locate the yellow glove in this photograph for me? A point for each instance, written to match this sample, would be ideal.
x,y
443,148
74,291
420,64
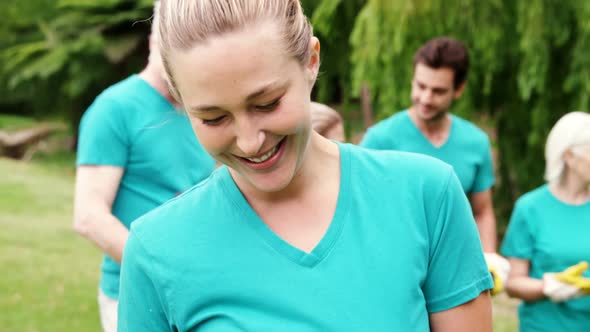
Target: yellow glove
x,y
573,276
498,282
499,268
558,291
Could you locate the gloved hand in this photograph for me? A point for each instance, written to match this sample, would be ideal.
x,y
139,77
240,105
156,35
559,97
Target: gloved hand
x,y
499,268
573,276
558,291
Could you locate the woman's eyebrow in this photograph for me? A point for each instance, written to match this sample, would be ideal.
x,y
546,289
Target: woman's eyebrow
x,y
263,90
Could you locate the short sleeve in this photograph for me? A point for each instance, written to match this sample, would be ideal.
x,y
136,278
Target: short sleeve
x,y
457,272
518,241
372,140
485,179
141,305
103,136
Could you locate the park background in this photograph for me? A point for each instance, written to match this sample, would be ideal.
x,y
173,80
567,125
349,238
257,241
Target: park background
x,y
530,64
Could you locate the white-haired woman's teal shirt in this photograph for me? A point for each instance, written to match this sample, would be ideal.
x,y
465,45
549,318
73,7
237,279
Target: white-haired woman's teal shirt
x,y
467,148
402,244
553,236
130,125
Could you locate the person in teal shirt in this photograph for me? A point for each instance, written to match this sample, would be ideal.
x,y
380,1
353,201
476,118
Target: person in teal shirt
x,y
547,235
294,232
327,122
135,151
467,148
440,72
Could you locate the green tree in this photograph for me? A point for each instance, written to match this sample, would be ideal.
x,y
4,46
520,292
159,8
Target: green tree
x,y
57,56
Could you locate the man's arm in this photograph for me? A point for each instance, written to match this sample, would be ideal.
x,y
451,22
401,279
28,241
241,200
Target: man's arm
x,y
475,315
483,212
96,189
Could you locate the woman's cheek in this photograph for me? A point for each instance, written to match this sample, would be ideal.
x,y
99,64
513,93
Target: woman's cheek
x,y
211,138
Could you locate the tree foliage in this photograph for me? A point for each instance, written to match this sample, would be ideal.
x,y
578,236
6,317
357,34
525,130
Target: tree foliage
x,y
57,56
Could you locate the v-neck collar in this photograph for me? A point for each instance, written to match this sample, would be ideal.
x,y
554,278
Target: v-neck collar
x,y
281,246
425,139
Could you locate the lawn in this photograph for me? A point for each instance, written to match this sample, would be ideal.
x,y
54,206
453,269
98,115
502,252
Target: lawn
x,y
14,122
50,274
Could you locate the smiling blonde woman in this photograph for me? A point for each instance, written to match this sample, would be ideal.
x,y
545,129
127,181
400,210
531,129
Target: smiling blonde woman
x,y
294,232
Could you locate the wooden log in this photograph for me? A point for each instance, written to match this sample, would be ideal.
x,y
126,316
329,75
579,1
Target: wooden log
x,y
16,144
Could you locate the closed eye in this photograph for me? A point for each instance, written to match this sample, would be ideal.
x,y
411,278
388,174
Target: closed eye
x,y
270,106
214,122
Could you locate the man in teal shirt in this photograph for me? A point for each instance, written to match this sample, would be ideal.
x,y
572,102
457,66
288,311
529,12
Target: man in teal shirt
x,y
427,127
135,152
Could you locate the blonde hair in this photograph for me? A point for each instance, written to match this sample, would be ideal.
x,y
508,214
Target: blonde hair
x,y
185,23
572,129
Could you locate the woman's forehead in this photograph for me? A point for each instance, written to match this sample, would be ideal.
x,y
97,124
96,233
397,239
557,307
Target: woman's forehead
x,y
236,63
230,51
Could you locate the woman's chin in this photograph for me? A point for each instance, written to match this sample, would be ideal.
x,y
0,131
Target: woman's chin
x,y
269,183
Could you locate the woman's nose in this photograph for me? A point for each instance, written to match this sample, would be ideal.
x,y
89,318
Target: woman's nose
x,y
249,137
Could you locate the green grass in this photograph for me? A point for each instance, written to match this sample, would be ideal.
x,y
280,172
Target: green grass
x,y
15,122
60,161
505,317
49,279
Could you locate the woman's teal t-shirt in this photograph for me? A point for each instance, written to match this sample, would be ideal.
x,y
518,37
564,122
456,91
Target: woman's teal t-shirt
x,y
553,236
402,244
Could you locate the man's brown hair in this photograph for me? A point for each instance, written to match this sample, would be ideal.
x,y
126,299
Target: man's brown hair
x,y
444,52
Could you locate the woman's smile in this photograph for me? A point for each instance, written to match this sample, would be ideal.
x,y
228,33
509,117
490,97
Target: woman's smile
x,y
265,160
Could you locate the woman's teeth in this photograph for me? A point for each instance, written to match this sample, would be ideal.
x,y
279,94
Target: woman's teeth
x,y
265,156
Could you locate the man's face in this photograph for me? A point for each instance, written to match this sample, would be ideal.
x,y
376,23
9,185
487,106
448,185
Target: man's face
x,y
433,92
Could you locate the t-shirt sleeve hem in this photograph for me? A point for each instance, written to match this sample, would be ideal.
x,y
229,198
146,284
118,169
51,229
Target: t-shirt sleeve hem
x,y
462,296
488,185
116,163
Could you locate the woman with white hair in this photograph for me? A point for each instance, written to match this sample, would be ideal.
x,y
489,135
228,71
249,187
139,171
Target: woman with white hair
x,y
546,240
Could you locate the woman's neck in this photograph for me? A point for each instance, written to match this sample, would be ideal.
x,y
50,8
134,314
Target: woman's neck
x,y
154,78
571,189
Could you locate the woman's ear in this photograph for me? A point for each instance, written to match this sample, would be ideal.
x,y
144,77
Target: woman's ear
x,y
313,64
567,156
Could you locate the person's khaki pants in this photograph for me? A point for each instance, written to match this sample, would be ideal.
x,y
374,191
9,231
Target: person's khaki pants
x,y
108,312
